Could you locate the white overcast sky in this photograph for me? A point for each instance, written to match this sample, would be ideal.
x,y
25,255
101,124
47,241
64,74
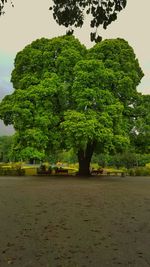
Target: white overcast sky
x,y
31,19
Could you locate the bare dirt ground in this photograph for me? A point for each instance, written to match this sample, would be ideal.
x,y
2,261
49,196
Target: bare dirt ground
x,y
72,222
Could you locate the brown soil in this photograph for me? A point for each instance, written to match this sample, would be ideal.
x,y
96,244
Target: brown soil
x,y
72,222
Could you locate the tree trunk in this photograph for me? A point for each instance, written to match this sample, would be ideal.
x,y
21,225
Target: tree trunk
x,y
84,158
32,161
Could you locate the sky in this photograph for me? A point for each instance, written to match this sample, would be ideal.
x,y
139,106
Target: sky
x,y
31,19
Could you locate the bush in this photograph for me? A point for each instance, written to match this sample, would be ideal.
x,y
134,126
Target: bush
x,y
148,165
139,171
127,159
11,172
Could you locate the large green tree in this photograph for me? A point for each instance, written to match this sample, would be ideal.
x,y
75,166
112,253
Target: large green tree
x,y
69,97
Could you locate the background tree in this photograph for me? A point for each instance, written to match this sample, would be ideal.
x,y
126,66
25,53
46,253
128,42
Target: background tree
x,y
69,97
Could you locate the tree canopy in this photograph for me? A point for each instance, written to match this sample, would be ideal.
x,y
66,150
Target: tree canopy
x,y
2,4
72,13
69,97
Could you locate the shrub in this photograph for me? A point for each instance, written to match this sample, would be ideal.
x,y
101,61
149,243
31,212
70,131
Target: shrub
x,y
148,165
139,171
11,172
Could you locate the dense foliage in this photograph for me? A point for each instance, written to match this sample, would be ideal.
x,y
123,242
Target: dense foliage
x,y
5,148
69,97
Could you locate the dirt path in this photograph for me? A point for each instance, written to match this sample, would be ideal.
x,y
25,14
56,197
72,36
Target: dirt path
x,y
62,222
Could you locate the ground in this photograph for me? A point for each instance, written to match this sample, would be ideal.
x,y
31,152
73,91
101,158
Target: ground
x,y
74,222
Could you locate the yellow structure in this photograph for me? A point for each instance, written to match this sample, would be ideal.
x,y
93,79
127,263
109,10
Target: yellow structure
x,y
30,170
